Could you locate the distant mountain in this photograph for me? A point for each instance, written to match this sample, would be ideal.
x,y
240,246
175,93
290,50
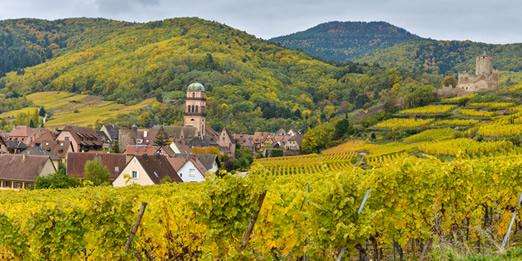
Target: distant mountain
x,y
344,41
391,46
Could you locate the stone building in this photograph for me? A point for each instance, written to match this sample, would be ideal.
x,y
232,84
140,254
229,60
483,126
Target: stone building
x,y
485,77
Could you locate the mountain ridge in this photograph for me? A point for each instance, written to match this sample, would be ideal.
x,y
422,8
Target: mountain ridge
x,y
398,48
330,40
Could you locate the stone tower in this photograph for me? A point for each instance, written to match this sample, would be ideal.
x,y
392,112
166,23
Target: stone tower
x,y
195,108
484,65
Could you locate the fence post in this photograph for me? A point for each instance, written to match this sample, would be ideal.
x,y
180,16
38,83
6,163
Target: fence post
x,y
136,225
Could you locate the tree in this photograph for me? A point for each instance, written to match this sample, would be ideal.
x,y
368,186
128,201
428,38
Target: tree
x,y
317,138
161,139
343,128
96,173
58,180
115,147
449,80
42,112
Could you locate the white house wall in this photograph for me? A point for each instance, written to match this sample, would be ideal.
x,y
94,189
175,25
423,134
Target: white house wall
x,y
185,173
125,177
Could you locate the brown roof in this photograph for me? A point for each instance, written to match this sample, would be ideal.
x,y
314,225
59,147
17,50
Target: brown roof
x,y
158,168
76,161
141,150
85,136
180,160
21,167
42,135
21,131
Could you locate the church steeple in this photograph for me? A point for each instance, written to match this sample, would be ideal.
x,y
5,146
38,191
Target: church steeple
x,y
195,108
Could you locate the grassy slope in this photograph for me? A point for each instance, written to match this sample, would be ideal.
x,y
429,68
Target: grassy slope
x,y
78,109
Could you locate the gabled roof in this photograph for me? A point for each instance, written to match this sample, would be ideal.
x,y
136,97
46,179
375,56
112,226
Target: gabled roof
x,y
21,167
158,168
15,145
36,151
113,131
180,160
21,131
141,150
42,135
207,160
85,136
114,162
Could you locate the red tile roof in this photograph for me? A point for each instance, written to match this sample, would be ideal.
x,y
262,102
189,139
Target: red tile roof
x,y
76,161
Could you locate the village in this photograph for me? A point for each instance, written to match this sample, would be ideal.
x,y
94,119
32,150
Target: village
x,y
142,156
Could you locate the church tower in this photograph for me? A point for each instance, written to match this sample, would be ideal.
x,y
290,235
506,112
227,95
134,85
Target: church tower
x,y
195,108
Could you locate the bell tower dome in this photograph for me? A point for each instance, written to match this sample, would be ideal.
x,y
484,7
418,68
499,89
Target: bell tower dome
x,y
195,108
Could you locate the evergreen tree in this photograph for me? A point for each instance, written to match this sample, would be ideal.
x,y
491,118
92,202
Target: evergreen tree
x,y
161,139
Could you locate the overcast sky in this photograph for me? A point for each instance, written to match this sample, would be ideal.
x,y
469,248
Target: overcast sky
x,y
493,21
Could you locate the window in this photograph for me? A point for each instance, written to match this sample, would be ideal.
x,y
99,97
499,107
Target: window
x,y
192,173
134,174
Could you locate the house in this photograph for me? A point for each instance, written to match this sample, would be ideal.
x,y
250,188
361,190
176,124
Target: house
x,y
209,161
42,136
82,139
113,162
245,141
111,131
23,134
226,143
56,150
188,168
147,170
179,148
21,171
15,146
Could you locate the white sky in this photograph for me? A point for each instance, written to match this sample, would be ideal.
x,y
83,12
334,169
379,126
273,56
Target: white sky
x,y
493,21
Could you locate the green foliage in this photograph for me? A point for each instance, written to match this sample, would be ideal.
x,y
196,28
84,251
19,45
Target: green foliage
x,y
161,139
57,180
13,244
450,56
318,138
96,173
313,215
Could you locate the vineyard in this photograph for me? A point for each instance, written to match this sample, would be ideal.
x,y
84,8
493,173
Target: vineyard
x,y
415,208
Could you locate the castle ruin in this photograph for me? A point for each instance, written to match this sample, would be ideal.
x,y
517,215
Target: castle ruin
x,y
485,78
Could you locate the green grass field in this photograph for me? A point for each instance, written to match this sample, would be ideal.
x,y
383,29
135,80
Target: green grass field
x,y
76,109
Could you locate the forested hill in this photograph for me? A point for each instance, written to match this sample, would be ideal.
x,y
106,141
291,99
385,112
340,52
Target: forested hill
x,y
390,46
252,83
344,41
442,57
27,42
